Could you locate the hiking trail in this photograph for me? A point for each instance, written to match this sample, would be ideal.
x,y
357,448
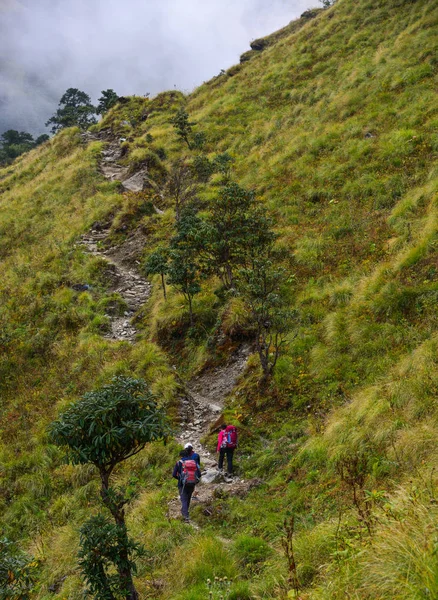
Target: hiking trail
x,y
205,394
123,259
200,412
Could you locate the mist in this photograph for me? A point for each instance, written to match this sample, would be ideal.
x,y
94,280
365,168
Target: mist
x,y
134,47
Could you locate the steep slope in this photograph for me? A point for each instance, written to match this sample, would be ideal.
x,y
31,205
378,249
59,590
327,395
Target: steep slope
x,y
333,123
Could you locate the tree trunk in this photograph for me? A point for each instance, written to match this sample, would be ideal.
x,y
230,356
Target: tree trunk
x,y
190,311
229,276
118,513
264,361
163,283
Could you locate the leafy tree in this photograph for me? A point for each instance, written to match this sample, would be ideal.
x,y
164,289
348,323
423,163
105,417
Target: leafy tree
x,y
203,168
14,143
184,268
184,275
236,225
222,164
108,99
184,130
75,109
106,427
103,545
262,286
41,139
157,263
183,125
11,137
199,139
17,572
181,186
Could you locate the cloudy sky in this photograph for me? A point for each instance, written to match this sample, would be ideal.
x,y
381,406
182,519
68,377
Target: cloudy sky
x,y
132,46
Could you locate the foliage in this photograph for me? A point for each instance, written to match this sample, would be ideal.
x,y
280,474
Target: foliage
x,y
203,167
103,546
181,186
235,228
261,284
183,126
75,109
108,99
184,130
17,572
184,269
222,163
14,143
335,128
157,263
106,427
110,424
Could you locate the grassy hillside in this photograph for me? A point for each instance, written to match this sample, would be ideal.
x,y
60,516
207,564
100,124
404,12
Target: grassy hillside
x,y
333,123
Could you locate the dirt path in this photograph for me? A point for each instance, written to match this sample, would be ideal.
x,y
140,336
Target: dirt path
x,y
199,412
205,394
126,281
122,260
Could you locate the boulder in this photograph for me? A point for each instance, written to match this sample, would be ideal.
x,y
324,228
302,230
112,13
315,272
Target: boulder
x,y
211,476
135,183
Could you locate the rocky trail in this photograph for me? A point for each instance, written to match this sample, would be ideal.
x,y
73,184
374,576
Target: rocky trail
x,y
200,414
203,403
122,260
126,281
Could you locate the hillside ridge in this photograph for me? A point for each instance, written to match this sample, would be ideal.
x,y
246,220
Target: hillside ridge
x,y
331,128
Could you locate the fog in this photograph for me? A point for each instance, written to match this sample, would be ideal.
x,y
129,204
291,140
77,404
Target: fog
x,y
132,46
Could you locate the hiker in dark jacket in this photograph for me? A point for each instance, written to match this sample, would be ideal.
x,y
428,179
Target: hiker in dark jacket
x,y
192,454
226,444
187,475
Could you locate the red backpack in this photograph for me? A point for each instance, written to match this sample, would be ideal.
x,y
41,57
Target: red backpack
x,y
231,436
189,472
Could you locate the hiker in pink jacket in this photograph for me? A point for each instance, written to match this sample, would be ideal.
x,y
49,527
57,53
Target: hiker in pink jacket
x,y
226,444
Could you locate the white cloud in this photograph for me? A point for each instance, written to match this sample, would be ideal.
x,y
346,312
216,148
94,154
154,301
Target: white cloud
x,y
134,47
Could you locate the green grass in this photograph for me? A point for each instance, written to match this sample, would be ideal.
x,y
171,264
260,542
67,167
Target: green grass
x,y
334,126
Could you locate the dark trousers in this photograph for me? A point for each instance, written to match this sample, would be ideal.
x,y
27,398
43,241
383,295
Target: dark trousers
x,y
185,493
229,452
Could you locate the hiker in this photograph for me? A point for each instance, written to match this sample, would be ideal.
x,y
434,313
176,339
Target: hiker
x,y
226,444
188,473
192,455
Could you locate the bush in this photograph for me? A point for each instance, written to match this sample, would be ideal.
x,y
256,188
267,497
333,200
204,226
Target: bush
x,y
251,552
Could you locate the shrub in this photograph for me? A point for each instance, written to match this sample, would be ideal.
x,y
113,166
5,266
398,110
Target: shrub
x,y
251,552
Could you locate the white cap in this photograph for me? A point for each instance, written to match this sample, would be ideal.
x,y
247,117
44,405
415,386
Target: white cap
x,y
188,445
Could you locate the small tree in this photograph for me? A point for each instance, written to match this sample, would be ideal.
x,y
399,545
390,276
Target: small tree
x,y
102,546
235,227
106,427
17,572
184,268
203,168
14,143
41,139
157,263
183,126
108,99
75,109
184,275
222,164
261,285
12,137
182,186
